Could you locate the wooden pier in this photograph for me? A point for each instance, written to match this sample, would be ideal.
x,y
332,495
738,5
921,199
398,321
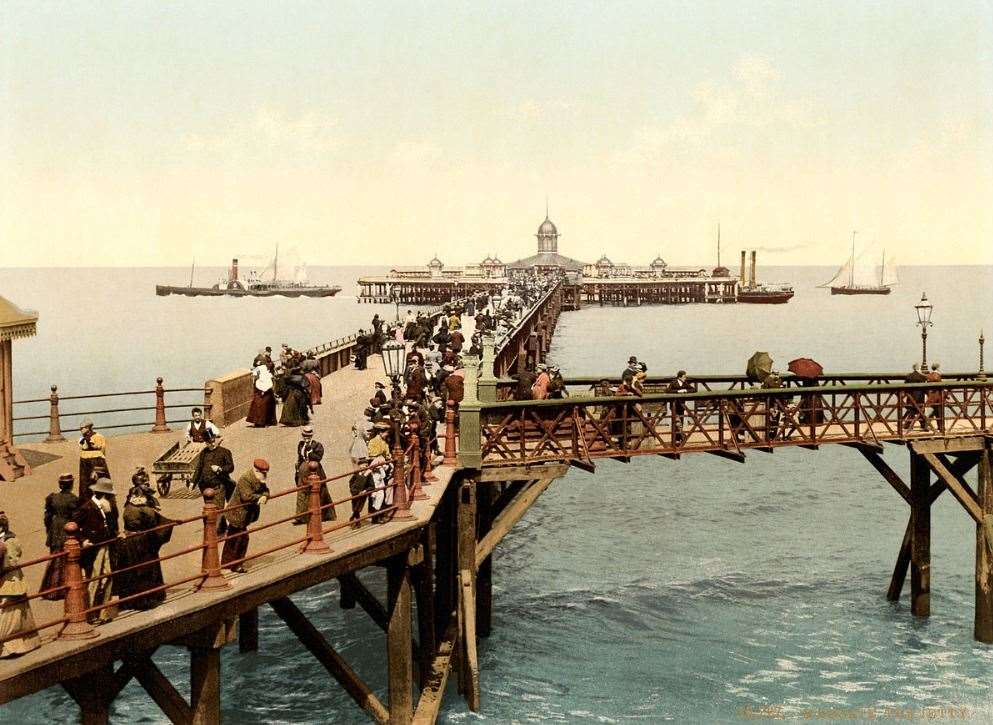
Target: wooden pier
x,y
438,549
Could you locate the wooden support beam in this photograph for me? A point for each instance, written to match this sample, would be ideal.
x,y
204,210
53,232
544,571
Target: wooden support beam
x,y
315,642
469,658
955,486
90,693
670,456
523,473
961,466
398,650
422,577
582,465
433,692
886,472
205,685
623,459
507,518
809,446
161,690
248,631
902,564
484,574
920,542
963,444
983,629
736,456
865,446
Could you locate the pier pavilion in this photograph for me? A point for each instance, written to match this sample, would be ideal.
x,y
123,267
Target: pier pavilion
x,y
598,283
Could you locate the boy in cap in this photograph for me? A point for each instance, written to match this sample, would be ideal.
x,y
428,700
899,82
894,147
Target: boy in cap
x,y
359,486
250,494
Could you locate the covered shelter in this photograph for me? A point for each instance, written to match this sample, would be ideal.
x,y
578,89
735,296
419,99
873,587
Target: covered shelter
x,y
14,322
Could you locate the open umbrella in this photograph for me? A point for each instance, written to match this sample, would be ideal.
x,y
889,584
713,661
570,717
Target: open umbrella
x,y
804,367
759,366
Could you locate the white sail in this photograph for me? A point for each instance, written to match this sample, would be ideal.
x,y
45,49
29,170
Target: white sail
x,y
865,273
843,276
887,273
300,273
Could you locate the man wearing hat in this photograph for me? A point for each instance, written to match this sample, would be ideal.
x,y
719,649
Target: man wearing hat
x,y
249,495
98,527
213,470
539,390
379,397
627,376
92,457
359,487
309,450
59,508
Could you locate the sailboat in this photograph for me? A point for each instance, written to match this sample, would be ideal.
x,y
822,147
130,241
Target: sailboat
x,y
856,277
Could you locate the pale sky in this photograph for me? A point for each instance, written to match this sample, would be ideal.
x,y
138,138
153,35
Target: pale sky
x,y
148,133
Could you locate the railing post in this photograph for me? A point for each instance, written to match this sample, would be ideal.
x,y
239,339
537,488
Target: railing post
x,y
429,476
54,422
315,535
160,416
416,492
75,602
450,449
213,578
400,498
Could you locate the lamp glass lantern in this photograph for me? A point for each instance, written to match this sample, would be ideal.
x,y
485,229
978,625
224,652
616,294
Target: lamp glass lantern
x,y
924,309
393,358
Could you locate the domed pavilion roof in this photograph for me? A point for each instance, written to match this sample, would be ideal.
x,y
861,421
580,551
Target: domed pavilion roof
x,y
547,228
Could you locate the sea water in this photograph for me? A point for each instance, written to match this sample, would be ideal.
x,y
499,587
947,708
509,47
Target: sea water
x,y
698,590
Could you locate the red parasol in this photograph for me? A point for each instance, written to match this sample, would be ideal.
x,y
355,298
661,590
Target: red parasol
x,y
804,367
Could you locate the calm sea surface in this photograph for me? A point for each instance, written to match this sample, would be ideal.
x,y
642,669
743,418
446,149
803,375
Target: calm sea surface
x,y
657,590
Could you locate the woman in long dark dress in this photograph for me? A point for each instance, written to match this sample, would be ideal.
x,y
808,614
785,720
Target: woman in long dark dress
x,y
141,545
59,508
292,388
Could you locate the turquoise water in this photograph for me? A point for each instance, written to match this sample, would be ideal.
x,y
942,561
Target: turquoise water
x,y
686,591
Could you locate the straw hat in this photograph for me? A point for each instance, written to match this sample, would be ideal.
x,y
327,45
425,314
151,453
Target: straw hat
x,y
103,485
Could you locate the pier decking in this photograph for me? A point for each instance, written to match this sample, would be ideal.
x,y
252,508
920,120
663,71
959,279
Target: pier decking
x,y
507,453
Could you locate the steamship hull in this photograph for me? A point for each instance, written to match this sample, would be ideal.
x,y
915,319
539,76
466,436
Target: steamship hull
x,y
166,290
764,298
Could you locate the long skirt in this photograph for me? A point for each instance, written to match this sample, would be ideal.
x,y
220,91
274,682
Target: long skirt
x,y
101,591
139,549
314,385
303,506
294,408
16,617
55,577
87,468
234,548
262,411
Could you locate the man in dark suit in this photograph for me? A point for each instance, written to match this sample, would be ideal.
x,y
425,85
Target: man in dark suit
x,y
98,527
213,470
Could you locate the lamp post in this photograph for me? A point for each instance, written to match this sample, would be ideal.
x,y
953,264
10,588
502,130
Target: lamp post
x,y
394,354
395,299
982,342
924,309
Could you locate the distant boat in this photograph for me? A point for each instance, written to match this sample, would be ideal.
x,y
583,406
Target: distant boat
x,y
855,277
255,285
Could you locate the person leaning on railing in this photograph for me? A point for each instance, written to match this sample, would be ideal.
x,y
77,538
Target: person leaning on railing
x,y
244,508
98,529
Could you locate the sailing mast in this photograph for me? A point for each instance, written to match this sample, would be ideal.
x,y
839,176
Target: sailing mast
x,y
275,265
851,269
191,271
718,244
882,269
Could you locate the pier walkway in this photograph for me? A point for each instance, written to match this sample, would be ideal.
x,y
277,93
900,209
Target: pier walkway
x,y
507,453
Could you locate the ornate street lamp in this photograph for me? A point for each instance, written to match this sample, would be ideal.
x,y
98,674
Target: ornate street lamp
x,y
924,309
394,354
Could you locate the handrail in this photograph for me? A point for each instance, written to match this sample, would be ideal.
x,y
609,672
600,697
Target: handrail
x,y
746,393
74,621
